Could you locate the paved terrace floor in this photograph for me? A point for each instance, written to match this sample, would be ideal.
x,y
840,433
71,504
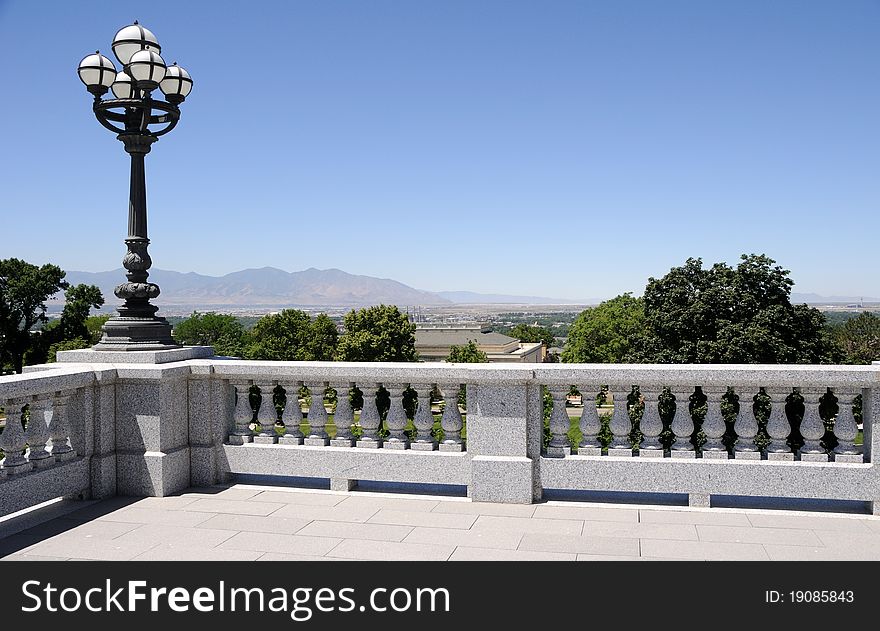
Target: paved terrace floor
x,y
248,522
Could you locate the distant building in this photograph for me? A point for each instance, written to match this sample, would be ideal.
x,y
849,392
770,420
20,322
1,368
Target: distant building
x,y
433,342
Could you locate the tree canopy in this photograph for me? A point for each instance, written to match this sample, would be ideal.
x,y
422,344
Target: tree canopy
x,y
224,333
24,290
607,333
468,353
532,333
859,339
293,335
377,334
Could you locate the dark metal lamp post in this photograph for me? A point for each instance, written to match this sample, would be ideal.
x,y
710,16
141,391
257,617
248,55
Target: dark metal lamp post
x,y
130,115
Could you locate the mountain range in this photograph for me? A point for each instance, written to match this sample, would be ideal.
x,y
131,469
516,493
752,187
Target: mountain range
x,y
269,286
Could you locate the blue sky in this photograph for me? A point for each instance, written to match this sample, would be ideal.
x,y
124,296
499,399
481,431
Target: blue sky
x,y
566,149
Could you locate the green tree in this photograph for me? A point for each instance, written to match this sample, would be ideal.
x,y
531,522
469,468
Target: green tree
x,y
607,333
531,333
293,336
859,339
224,333
730,315
94,325
24,290
69,332
377,334
468,353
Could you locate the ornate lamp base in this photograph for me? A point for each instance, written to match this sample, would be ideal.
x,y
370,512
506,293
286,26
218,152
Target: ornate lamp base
x,y
136,334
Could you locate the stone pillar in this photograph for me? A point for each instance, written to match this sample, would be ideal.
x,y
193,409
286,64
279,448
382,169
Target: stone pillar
x,y
812,427
292,416
59,428
370,419
451,420
713,425
560,445
505,432
267,414
845,428
682,426
651,424
243,415
621,424
98,420
778,427
38,432
746,429
12,440
424,420
589,424
871,430
317,415
211,401
343,417
396,419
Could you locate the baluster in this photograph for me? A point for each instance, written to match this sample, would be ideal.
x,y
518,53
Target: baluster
x,y
343,416
243,415
292,415
267,414
423,420
589,424
317,415
560,444
845,428
451,419
370,418
812,427
38,432
621,424
682,426
396,419
59,428
713,425
746,428
778,427
12,440
651,425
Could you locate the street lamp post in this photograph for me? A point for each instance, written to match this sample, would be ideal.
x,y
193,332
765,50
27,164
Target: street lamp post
x,y
130,115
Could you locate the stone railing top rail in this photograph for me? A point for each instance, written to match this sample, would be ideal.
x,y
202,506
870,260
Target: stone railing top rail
x,y
48,381
38,380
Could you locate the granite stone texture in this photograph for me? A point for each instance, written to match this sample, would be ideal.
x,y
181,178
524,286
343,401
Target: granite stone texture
x,y
156,474
508,479
89,356
24,490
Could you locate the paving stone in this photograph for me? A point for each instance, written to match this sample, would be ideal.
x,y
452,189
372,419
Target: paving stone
x,y
702,550
577,544
74,528
92,549
236,507
470,538
137,515
593,513
778,552
738,534
31,557
391,503
682,532
694,517
464,553
420,518
172,502
217,493
278,556
255,523
608,557
486,508
156,534
343,530
869,542
285,544
306,499
522,525
357,514
169,552
390,551
808,522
